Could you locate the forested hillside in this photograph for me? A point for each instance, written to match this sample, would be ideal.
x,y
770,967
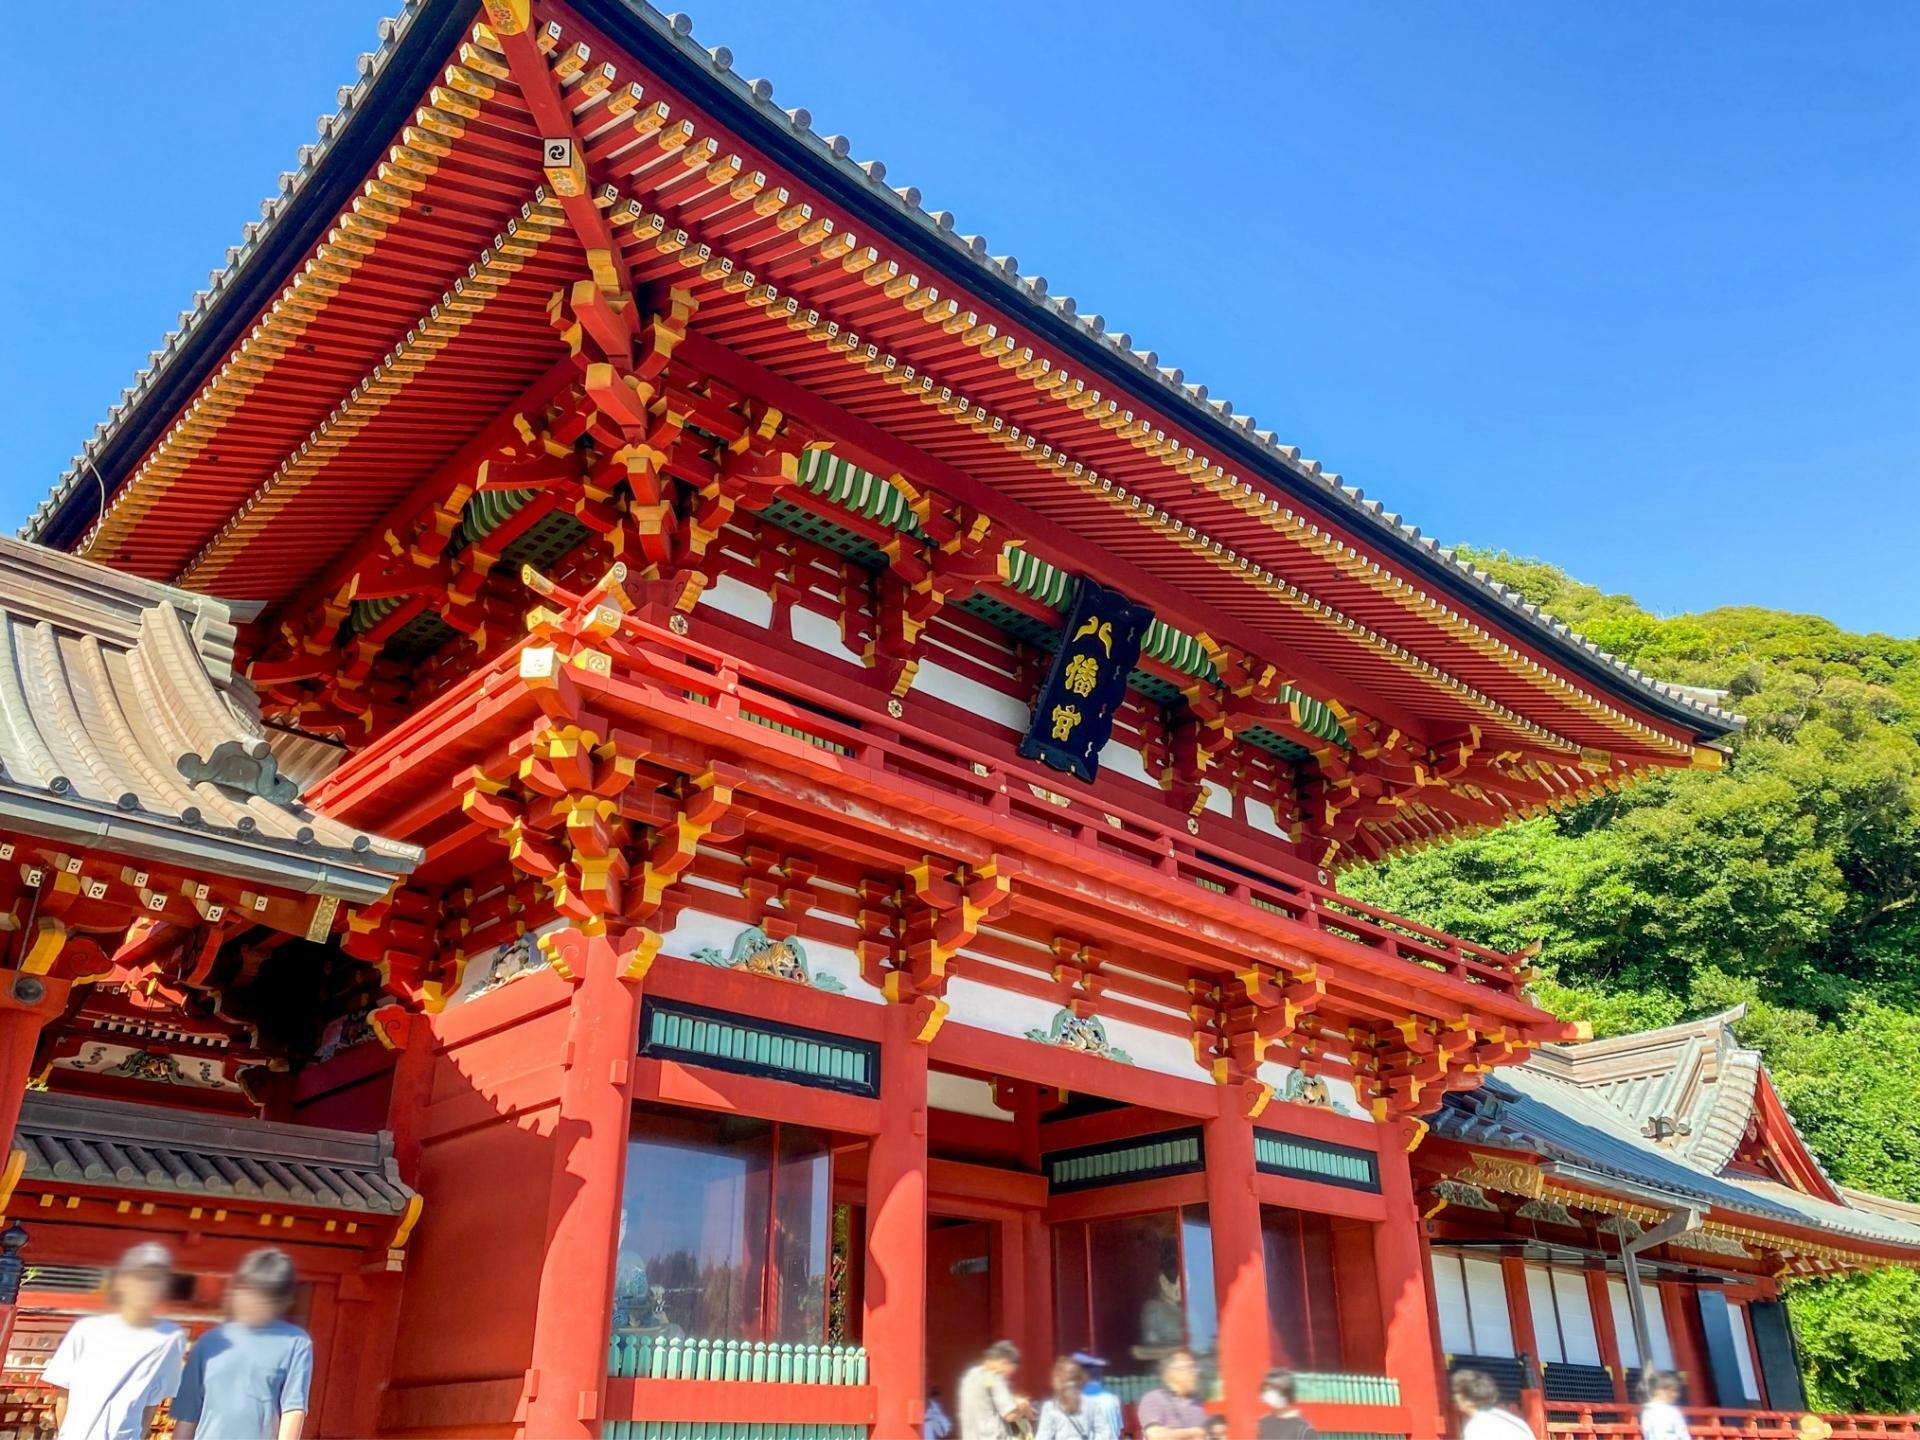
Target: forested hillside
x,y
1790,882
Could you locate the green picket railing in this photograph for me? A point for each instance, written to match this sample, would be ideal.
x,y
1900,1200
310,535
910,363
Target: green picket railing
x,y
1311,1388
727,1430
683,1357
1331,1389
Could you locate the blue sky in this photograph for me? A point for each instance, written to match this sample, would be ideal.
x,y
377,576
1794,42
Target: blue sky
x,y
1635,289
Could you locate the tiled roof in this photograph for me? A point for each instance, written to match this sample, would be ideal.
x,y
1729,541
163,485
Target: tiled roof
x,y
1693,1078
120,1145
123,728
1525,1109
419,38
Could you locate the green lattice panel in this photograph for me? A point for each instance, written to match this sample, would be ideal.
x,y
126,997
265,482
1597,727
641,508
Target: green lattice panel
x,y
704,1036
1112,1165
1349,1167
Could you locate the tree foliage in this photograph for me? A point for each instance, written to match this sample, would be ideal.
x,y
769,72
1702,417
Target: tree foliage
x,y
1790,882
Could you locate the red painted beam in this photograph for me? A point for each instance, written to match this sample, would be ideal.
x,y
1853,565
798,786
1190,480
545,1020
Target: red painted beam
x,y
699,1088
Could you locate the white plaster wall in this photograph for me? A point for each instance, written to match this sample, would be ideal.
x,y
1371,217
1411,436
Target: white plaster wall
x,y
956,689
1260,817
963,1095
818,632
735,597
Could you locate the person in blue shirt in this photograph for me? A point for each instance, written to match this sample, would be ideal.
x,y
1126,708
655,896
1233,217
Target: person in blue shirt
x,y
248,1379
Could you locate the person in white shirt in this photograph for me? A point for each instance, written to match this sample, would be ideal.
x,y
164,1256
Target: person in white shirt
x,y
114,1371
1477,1399
1660,1417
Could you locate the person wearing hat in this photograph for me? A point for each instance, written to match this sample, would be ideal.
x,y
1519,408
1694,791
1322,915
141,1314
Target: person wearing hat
x,y
1097,1396
114,1371
248,1379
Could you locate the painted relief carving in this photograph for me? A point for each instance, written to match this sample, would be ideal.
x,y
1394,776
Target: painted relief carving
x,y
1496,1172
1080,1032
159,1066
1300,1088
1547,1212
758,953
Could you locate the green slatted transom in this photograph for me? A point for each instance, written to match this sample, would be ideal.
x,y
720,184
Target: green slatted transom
x,y
1315,1160
1119,1163
782,1052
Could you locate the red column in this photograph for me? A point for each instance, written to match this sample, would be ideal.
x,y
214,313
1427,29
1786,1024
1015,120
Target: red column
x,y
1401,1271
1038,1250
894,1313
27,1003
1601,1299
375,1298
567,1374
1239,1260
1526,1342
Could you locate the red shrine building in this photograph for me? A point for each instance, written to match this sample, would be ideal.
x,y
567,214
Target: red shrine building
x,y
703,798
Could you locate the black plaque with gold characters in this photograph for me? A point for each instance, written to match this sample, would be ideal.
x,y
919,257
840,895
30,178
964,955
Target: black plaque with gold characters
x,y
1073,715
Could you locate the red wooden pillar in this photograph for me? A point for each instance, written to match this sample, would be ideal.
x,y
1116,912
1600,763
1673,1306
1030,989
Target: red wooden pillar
x,y
1601,1299
1677,1308
372,1302
27,1003
1400,1266
1239,1260
1037,1340
894,1312
1526,1342
566,1377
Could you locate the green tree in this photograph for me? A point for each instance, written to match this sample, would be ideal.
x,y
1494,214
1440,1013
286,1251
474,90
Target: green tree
x,y
1789,883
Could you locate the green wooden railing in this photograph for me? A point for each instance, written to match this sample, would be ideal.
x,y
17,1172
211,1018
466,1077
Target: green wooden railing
x,y
1329,1389
1311,1388
679,1357
726,1430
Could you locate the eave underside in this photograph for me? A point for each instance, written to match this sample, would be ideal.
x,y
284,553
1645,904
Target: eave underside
x,y
424,311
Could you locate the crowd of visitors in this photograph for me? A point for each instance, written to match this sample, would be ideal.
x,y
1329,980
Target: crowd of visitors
x,y
246,1379
1079,1406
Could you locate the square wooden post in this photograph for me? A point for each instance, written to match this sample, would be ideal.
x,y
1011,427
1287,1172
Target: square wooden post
x,y
894,1300
1399,1260
573,1325
1239,1260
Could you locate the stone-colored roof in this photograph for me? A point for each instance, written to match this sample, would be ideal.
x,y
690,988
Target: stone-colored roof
x,y
411,44
125,729
1692,1083
1585,1108
122,1145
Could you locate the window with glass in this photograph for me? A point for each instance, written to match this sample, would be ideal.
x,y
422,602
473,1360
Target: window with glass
x,y
724,1229
1304,1288
1134,1287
